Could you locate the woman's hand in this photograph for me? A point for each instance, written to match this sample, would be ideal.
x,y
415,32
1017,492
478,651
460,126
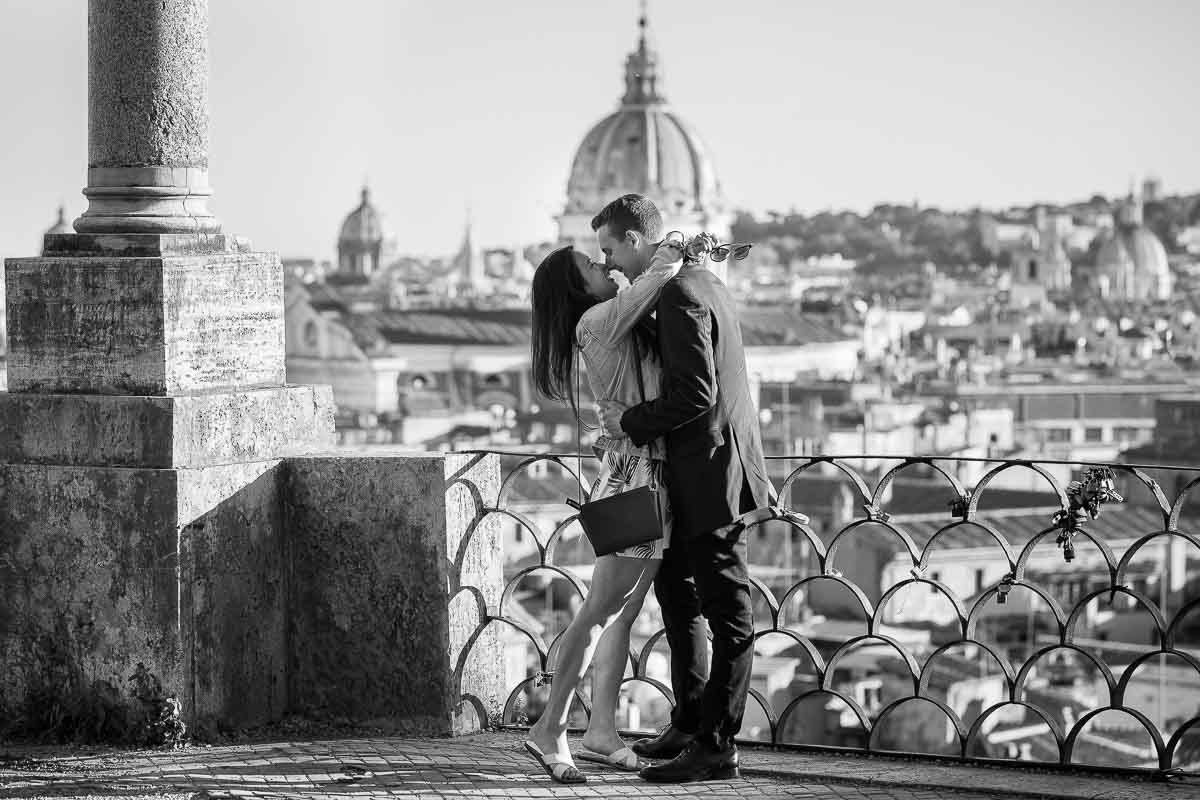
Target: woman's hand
x,y
618,277
670,250
700,246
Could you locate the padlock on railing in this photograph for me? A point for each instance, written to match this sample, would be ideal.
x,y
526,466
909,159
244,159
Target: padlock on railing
x,y
875,513
1006,585
961,505
1066,540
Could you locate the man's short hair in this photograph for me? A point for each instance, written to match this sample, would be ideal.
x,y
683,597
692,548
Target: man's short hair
x,y
630,212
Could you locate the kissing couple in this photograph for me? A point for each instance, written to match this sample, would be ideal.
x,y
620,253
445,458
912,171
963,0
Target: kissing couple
x,y
663,355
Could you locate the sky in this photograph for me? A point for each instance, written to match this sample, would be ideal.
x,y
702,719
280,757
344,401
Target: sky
x,y
450,107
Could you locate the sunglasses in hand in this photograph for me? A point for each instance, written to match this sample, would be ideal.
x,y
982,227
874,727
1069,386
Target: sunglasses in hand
x,y
705,243
738,250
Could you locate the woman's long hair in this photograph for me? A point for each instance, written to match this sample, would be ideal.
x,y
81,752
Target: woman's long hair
x,y
559,300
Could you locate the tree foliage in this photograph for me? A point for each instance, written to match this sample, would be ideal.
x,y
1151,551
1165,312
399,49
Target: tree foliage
x,y
896,238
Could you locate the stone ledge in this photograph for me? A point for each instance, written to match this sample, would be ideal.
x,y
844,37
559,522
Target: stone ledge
x,y
165,432
142,245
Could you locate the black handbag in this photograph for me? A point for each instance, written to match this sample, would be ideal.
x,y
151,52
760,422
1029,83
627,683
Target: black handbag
x,y
626,519
621,520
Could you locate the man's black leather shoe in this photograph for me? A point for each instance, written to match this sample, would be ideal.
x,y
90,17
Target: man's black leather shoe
x,y
668,744
699,762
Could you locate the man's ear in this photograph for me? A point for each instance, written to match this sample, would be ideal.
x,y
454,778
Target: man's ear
x,y
634,239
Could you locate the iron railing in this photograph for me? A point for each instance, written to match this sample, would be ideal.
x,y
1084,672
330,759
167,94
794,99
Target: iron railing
x,y
1063,676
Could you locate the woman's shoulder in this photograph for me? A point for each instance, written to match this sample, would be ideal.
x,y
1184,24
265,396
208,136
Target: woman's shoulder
x,y
585,329
590,320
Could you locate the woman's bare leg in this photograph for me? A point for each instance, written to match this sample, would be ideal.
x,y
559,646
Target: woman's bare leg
x,y
610,660
614,581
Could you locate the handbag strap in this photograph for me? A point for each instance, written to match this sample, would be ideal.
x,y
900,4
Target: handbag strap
x,y
578,422
637,366
637,370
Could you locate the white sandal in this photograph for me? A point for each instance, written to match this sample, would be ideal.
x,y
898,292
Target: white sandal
x,y
623,759
560,770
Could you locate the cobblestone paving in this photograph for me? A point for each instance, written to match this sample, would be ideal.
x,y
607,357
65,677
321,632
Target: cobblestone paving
x,y
493,766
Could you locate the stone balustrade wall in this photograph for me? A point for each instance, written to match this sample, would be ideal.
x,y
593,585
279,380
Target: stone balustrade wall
x,y
328,586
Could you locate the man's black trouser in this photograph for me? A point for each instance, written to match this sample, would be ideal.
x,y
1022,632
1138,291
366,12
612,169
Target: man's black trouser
x,y
704,577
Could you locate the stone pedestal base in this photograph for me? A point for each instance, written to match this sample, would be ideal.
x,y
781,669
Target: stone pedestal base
x,y
140,472
181,571
204,316
394,563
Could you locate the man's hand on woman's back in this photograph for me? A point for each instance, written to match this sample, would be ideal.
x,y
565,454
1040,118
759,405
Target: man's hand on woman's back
x,y
610,412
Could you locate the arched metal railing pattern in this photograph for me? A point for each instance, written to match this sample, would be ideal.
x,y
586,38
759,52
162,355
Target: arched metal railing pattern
x,y
1079,503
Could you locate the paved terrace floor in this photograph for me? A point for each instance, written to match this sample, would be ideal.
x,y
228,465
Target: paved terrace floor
x,y
493,765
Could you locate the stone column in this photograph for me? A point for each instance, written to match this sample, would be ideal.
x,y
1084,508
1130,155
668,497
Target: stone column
x,y
143,434
147,118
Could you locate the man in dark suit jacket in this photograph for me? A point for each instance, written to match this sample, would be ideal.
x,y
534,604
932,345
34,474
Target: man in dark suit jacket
x,y
715,473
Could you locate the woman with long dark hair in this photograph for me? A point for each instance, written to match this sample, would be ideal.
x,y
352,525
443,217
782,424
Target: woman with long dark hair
x,y
578,311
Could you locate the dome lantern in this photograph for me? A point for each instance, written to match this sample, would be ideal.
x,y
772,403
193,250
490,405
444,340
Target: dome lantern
x,y
641,71
60,227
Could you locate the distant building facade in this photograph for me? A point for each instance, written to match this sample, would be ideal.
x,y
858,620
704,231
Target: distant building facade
x,y
1035,252
1091,422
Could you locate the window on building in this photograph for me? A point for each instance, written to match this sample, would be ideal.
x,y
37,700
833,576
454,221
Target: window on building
x,y
311,335
1117,406
1058,435
1093,435
1124,434
934,576
1050,407
978,581
868,693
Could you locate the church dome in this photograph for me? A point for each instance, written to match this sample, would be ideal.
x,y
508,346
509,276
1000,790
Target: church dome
x,y
643,147
1132,262
363,225
1148,254
360,243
